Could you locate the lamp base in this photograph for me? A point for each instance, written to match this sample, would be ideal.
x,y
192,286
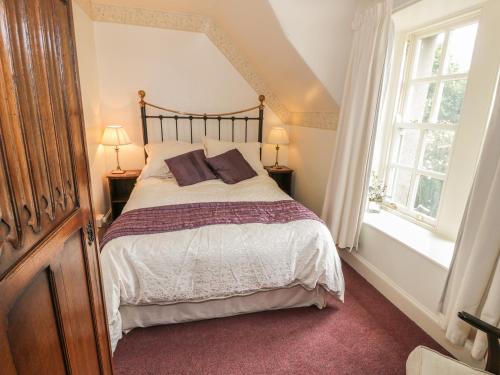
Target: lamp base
x,y
276,166
118,171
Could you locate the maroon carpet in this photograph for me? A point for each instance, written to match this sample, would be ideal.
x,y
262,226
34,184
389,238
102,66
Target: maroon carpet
x,y
365,335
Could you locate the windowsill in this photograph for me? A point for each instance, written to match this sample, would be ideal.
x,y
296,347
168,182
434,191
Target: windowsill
x,y
417,238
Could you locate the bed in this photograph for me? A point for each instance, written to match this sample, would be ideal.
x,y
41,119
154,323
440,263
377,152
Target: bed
x,y
212,249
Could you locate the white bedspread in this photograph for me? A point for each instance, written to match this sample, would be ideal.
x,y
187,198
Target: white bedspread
x,y
217,261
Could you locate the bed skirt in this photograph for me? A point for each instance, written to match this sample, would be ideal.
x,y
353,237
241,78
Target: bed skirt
x,y
134,316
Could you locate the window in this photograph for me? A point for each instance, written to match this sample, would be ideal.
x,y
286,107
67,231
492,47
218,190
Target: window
x,y
427,117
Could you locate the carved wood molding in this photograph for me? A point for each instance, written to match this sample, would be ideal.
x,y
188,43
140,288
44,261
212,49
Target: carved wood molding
x,y
37,183
202,24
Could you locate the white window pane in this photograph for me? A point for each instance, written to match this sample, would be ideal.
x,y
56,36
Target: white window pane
x,y
405,147
428,196
400,187
452,97
437,147
429,52
419,103
460,48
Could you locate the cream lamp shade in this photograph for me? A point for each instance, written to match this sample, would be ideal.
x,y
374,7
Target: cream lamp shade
x,y
278,136
115,135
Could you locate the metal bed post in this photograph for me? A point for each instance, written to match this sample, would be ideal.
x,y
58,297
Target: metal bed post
x,y
142,103
261,120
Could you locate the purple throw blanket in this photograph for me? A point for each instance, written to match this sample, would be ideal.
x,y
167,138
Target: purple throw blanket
x,y
177,217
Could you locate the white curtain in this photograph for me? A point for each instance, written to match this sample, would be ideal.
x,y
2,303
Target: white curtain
x,y
473,283
345,197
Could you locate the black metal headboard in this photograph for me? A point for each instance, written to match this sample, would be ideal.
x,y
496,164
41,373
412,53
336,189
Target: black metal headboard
x,y
185,118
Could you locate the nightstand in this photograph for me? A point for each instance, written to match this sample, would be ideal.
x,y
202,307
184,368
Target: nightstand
x,y
120,187
283,177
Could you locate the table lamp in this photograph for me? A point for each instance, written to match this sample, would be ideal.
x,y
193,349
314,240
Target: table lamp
x,y
278,136
115,135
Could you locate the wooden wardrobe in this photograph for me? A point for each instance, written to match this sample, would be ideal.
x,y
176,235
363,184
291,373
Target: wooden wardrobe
x,y
52,315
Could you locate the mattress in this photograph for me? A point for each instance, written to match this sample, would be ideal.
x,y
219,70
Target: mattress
x,y
213,262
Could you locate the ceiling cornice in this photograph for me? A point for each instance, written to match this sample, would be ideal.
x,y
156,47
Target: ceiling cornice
x,y
203,24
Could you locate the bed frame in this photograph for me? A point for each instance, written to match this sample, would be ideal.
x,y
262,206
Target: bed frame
x,y
186,118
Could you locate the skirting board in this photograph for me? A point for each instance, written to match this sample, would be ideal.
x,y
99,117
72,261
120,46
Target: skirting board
x,y
423,317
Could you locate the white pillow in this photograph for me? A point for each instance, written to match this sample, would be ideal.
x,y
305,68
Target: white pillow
x,y
158,152
249,150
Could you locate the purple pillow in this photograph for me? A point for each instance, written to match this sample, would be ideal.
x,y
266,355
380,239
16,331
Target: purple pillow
x,y
190,168
231,167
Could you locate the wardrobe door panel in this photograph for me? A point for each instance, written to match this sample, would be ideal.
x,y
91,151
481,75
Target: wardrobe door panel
x,y
34,353
52,315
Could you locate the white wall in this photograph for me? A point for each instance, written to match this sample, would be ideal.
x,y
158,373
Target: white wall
x,y
177,69
416,274
310,155
89,84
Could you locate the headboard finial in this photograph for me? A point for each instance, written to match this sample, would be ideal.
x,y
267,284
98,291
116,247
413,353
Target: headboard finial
x,y
261,100
142,95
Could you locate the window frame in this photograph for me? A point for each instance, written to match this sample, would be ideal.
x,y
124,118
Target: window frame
x,y
403,81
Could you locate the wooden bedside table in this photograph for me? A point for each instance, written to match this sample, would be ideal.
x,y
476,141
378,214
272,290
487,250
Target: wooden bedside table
x,y
120,187
283,176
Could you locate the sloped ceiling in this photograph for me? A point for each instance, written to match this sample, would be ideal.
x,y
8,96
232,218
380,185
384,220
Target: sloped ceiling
x,y
252,35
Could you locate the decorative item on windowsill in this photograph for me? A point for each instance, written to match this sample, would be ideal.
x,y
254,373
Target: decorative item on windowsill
x,y
115,135
376,194
278,136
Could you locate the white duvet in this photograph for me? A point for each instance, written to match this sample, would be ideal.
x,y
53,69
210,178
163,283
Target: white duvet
x,y
217,261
